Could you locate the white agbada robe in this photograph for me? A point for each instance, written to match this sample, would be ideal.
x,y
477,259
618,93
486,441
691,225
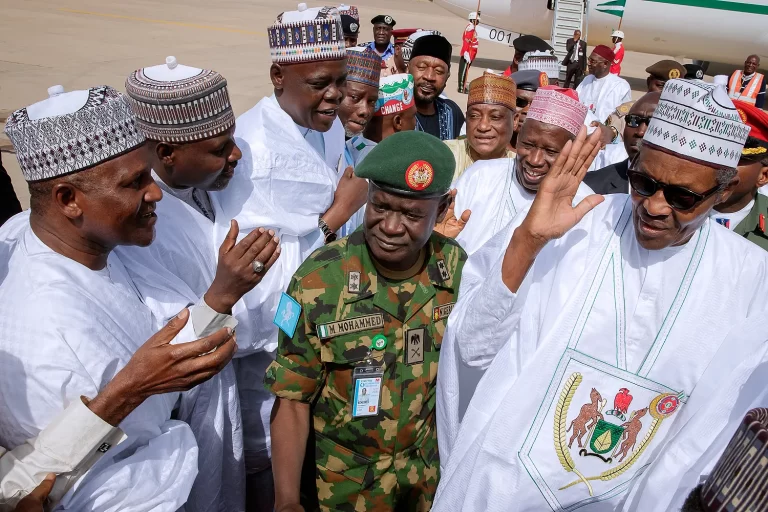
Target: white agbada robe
x,y
490,189
183,259
282,182
65,331
609,155
603,95
597,315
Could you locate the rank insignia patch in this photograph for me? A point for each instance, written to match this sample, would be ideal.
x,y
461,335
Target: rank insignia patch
x,y
287,314
444,274
353,283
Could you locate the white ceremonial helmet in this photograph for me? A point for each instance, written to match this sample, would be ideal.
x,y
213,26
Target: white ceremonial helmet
x,y
473,16
618,33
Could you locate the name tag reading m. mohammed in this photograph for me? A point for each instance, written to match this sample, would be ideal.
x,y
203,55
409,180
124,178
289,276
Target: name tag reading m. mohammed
x,y
357,324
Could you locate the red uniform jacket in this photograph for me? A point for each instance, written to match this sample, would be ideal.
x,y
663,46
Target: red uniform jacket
x,y
469,42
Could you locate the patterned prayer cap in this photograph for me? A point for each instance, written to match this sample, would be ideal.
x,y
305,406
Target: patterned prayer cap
x,y
737,482
559,107
545,61
699,122
408,44
364,66
395,94
493,89
307,35
70,132
350,10
175,103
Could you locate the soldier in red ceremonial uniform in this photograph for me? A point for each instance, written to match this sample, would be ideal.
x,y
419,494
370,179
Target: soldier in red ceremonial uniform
x,y
468,50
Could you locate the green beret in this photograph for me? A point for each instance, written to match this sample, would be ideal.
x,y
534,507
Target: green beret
x,y
411,163
666,70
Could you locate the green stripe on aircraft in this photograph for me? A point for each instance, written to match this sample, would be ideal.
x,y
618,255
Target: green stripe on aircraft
x,y
722,5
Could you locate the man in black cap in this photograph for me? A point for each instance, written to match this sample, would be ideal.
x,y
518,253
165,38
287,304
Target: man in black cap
x,y
664,70
528,82
430,66
523,45
693,72
382,36
351,30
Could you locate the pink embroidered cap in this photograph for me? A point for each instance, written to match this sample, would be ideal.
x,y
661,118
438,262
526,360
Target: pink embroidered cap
x,y
558,106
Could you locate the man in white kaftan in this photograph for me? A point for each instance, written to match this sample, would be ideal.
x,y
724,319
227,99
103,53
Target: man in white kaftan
x,y
609,343
192,157
603,91
72,317
496,190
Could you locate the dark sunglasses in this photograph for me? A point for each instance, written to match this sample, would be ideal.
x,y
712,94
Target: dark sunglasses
x,y
522,102
679,198
634,121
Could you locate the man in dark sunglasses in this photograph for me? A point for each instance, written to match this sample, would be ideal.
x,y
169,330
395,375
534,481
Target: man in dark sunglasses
x,y
612,179
745,211
617,299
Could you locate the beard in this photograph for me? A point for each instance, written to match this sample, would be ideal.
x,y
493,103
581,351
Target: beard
x,y
351,130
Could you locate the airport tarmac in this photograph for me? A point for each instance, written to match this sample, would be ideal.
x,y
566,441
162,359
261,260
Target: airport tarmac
x,y
81,43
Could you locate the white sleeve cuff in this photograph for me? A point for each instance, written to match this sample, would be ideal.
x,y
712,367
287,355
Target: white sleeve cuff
x,y
207,321
68,447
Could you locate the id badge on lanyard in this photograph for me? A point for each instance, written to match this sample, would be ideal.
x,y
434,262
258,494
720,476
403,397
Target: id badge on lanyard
x,y
367,381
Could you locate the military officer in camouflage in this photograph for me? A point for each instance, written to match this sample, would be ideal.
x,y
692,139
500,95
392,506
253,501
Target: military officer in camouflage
x,y
361,327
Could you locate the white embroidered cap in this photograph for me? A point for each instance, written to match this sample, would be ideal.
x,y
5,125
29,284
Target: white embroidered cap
x,y
546,62
72,131
698,121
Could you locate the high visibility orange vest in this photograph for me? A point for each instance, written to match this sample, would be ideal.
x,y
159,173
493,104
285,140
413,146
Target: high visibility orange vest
x,y
749,95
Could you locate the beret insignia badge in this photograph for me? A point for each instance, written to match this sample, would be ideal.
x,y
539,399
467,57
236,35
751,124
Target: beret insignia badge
x,y
419,175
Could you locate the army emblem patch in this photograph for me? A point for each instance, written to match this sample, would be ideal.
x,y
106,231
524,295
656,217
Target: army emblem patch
x,y
674,73
287,314
353,282
414,346
419,175
357,324
441,312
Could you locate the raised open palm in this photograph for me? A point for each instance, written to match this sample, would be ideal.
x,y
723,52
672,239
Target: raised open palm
x,y
552,213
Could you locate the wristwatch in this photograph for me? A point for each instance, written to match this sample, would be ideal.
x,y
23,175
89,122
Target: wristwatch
x,y
329,235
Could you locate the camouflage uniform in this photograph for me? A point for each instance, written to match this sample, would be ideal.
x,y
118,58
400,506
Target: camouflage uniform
x,y
391,460
616,119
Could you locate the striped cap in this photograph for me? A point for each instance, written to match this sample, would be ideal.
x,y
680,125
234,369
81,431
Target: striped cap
x,y
307,35
363,65
175,103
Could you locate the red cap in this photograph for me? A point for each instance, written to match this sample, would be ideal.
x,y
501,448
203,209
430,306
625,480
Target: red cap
x,y
402,34
568,92
753,117
604,52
